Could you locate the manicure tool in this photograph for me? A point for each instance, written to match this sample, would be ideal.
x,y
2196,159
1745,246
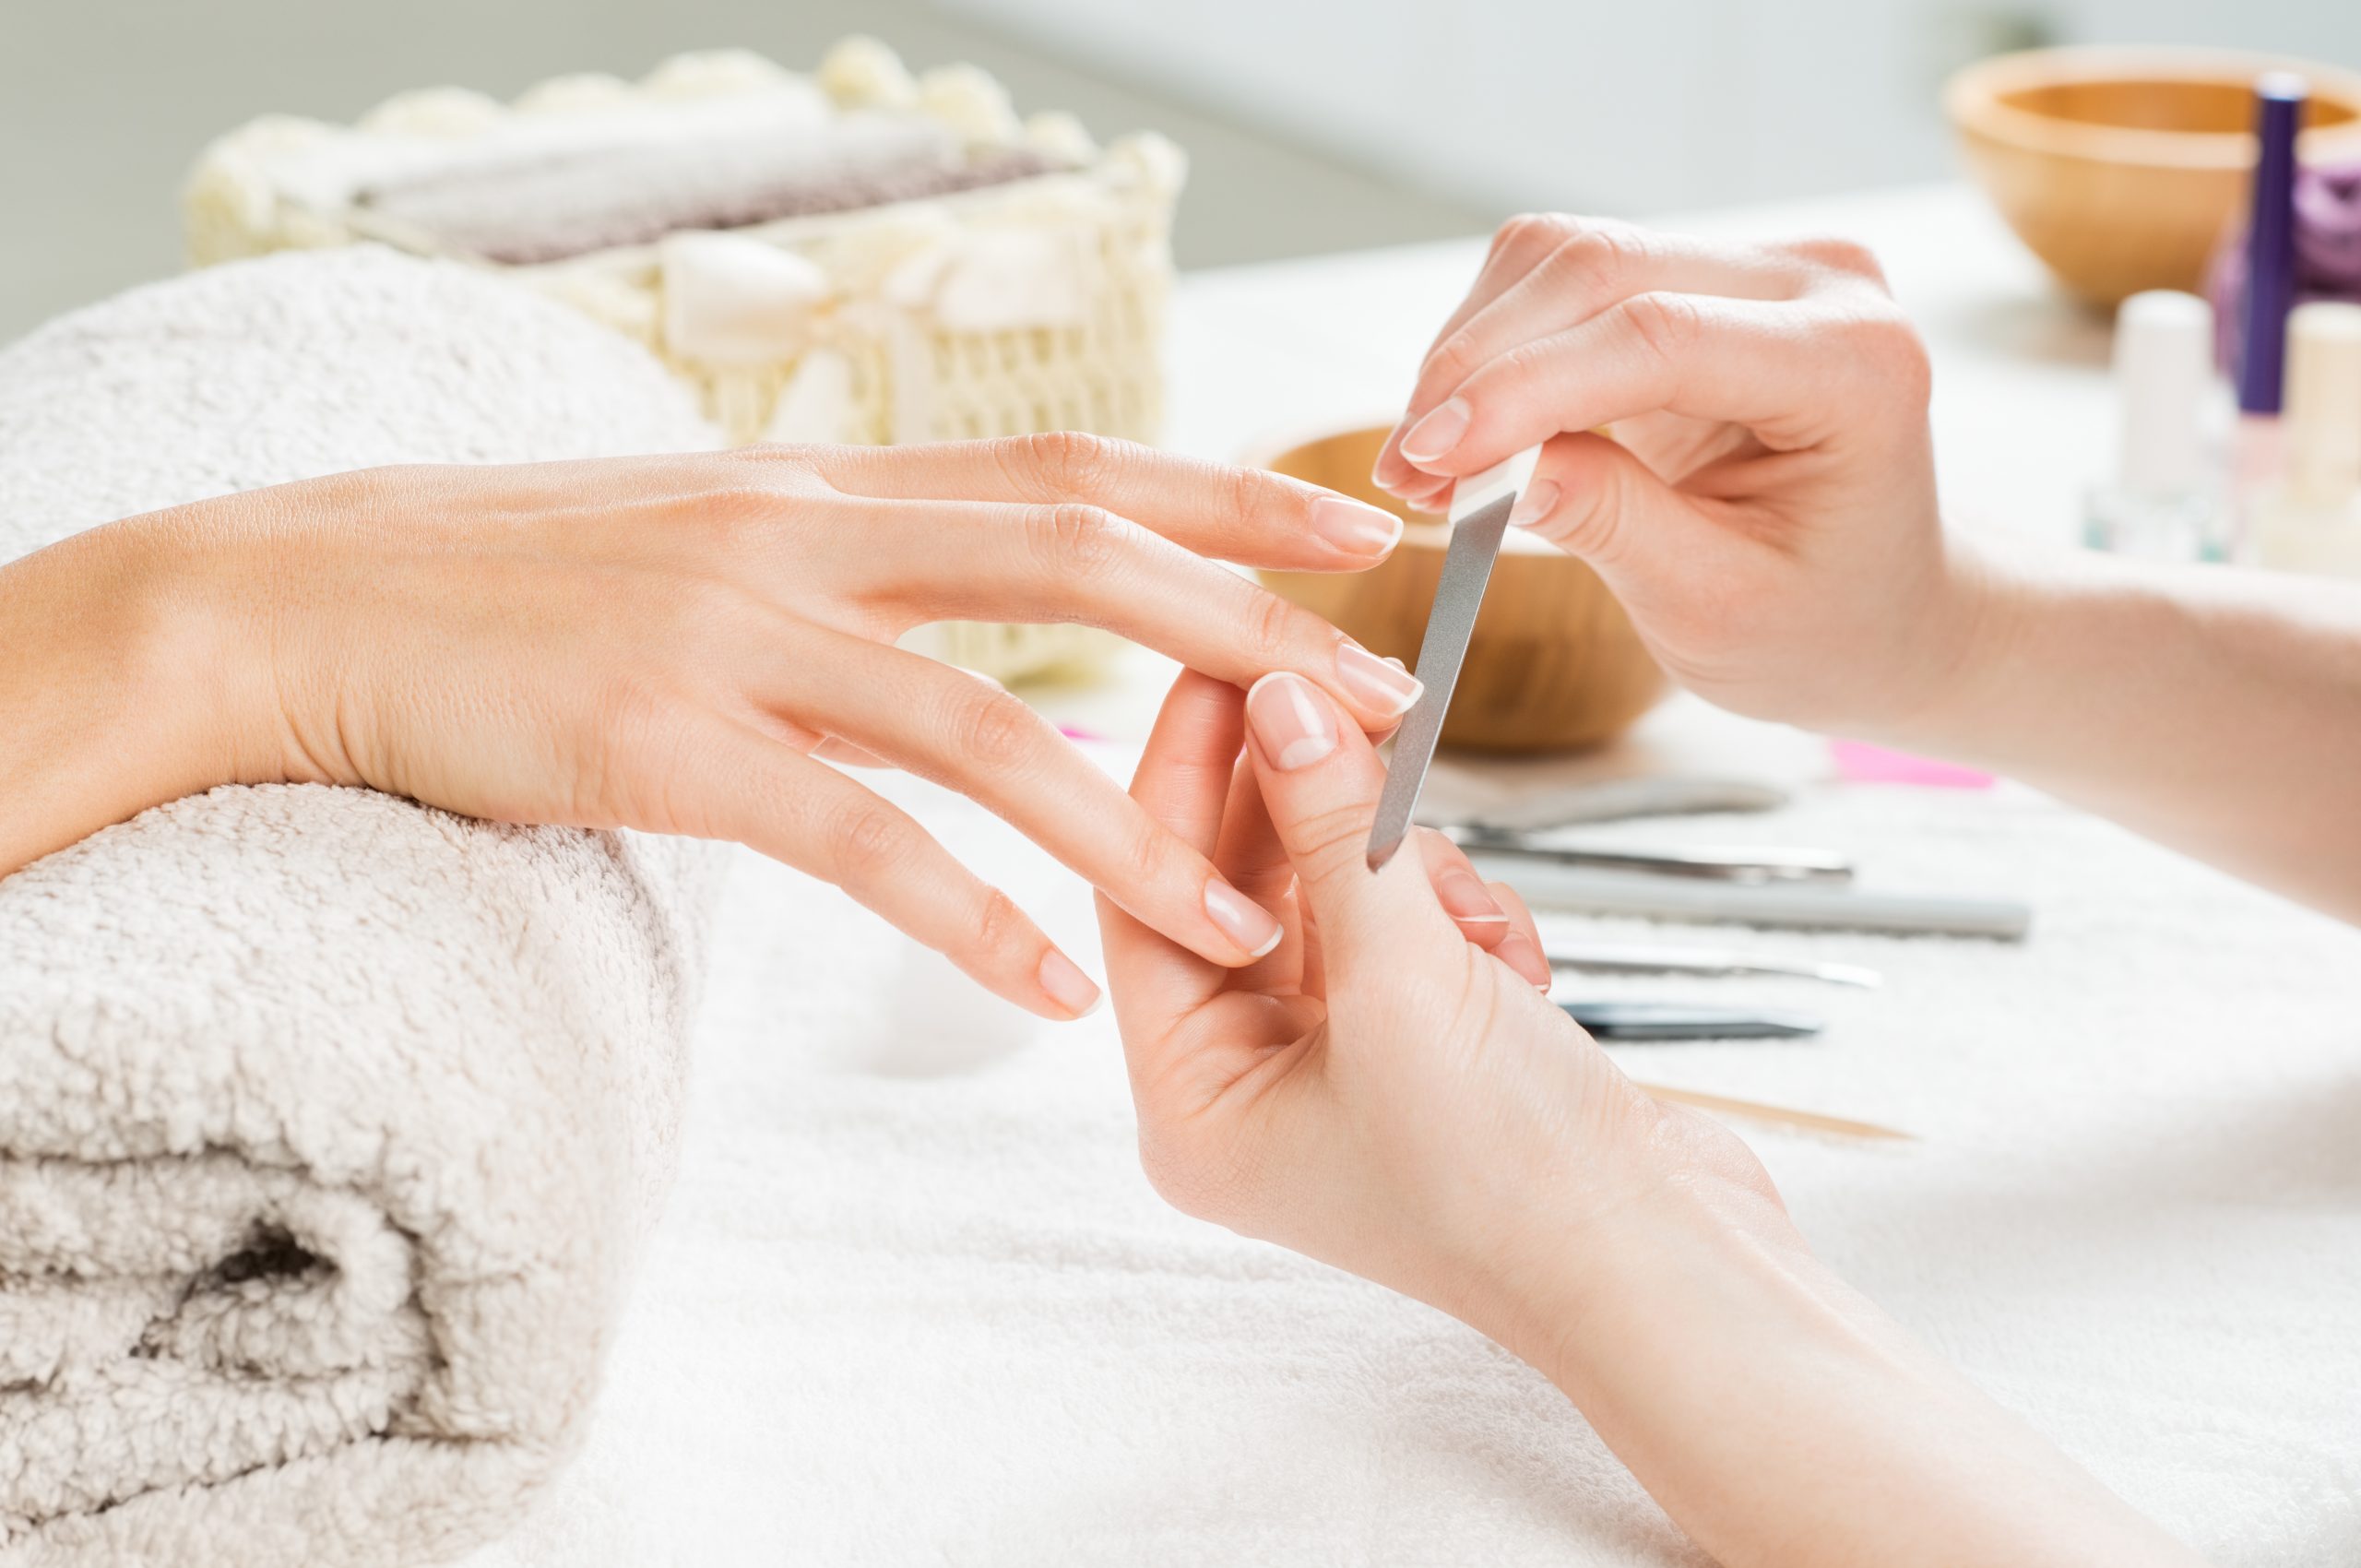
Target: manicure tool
x,y
1726,865
1480,505
1805,905
1681,1020
1778,1115
1616,959
1611,800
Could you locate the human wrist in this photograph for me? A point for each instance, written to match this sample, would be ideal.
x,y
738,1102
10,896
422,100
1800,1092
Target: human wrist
x,y
1965,634
1586,1250
113,709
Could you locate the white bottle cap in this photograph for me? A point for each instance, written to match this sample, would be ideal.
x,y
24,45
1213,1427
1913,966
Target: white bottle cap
x,y
2323,408
2164,381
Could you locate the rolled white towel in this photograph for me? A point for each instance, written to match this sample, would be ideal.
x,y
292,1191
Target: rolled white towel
x,y
329,1124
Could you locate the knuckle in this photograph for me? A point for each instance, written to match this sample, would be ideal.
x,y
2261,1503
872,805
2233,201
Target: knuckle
x,y
1075,540
991,730
1602,257
1063,462
865,841
1889,350
1838,254
1141,857
1000,924
1454,358
1535,234
1270,623
1331,833
1664,324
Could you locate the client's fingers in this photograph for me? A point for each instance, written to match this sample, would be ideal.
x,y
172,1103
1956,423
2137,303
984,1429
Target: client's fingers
x,y
749,788
1249,515
972,736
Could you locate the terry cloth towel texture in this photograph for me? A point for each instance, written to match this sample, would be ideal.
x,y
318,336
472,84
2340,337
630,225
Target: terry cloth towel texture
x,y
330,1126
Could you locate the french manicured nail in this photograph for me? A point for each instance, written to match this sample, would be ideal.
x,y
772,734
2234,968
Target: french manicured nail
x,y
1517,951
1438,432
1353,527
1065,983
1290,721
1241,919
1466,900
1382,683
1540,499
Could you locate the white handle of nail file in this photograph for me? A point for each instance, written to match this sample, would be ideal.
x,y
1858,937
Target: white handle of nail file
x,y
1508,477
1800,905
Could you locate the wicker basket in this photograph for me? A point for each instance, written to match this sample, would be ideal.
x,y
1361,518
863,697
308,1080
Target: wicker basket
x,y
1037,303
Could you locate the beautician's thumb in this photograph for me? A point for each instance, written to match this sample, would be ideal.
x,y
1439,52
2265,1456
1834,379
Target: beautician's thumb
x,y
1320,778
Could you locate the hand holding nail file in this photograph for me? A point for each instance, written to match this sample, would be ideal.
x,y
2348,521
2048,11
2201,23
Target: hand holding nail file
x,y
1480,505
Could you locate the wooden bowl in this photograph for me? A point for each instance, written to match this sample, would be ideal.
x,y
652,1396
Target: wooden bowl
x,y
1554,663
2121,168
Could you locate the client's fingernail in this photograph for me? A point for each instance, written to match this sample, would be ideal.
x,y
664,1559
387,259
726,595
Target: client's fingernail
x,y
1065,984
1290,721
1241,919
1438,432
1353,527
1540,499
1465,901
1386,686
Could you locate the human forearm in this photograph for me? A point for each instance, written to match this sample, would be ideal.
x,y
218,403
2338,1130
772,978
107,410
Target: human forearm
x,y
1781,1418
112,687
2217,711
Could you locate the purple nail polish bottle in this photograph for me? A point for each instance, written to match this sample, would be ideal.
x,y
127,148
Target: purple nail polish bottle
x,y
2270,287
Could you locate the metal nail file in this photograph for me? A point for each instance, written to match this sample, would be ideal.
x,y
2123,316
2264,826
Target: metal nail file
x,y
1676,1020
1480,505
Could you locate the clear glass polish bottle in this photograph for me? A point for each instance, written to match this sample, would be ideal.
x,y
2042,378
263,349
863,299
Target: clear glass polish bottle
x,y
2310,520
2168,499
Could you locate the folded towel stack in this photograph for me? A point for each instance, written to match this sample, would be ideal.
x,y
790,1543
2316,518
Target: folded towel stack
x,y
330,1124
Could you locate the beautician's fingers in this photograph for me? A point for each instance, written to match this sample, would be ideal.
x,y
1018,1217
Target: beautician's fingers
x,y
1256,863
1796,374
944,561
1464,896
1521,949
941,723
1182,783
1320,778
749,788
1591,497
1585,266
1248,516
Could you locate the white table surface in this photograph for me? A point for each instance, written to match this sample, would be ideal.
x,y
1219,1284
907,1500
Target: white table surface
x,y
2023,415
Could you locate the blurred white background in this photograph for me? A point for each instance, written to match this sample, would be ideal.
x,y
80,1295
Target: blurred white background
x,y
1314,125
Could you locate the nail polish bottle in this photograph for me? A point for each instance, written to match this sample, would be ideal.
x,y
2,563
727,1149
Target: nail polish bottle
x,y
2311,520
2270,292
2166,502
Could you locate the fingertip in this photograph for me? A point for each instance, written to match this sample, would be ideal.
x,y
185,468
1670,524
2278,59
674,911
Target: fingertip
x,y
1072,993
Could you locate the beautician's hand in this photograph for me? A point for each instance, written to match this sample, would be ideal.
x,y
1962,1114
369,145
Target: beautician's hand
x,y
658,643
1379,1094
1766,509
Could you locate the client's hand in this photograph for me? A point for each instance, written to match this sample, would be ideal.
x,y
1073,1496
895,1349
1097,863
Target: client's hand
x,y
1377,1092
1766,510
659,643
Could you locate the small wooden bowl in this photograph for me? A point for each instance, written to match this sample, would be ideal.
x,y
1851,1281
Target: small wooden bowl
x,y
2121,168
1554,663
